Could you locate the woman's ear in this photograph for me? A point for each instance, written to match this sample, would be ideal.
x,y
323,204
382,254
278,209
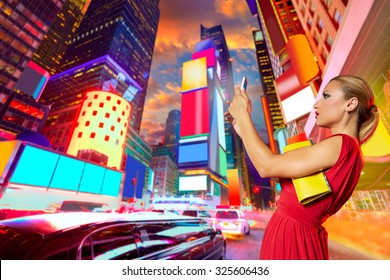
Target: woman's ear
x,y
352,104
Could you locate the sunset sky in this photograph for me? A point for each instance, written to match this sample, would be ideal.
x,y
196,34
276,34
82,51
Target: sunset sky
x,y
178,32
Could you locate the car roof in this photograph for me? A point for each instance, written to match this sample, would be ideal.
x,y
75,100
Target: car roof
x,y
49,223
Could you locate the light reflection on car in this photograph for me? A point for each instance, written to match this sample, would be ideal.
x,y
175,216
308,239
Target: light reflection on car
x,y
232,223
90,236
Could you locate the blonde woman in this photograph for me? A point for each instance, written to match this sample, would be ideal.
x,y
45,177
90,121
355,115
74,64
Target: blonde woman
x,y
295,231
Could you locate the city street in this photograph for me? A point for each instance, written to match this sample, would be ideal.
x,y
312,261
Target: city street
x,y
249,248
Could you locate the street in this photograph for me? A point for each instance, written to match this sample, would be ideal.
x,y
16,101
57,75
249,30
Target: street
x,y
249,247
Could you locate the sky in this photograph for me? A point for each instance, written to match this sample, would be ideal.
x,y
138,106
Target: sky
x,y
178,32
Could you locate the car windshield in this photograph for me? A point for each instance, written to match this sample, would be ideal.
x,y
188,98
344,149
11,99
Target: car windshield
x,y
226,215
191,213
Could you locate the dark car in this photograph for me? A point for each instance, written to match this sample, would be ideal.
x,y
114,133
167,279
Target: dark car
x,y
106,236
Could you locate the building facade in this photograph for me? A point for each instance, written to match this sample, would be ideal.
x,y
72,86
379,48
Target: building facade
x,y
52,49
165,173
23,25
172,133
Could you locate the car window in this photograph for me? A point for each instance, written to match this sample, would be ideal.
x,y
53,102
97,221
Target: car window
x,y
204,214
76,206
111,243
158,236
226,215
191,213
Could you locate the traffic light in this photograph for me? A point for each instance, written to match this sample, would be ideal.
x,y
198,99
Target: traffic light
x,y
256,189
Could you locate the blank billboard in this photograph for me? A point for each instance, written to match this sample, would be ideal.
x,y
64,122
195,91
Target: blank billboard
x,y
298,104
193,183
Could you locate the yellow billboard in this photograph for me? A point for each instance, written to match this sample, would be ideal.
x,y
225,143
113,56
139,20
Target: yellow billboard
x,y
194,74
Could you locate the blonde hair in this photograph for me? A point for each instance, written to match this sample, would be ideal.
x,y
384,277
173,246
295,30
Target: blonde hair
x,y
368,115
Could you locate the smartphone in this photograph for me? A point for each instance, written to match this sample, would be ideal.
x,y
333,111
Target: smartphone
x,y
244,83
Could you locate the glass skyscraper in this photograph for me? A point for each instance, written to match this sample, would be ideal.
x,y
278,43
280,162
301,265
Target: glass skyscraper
x,y
51,51
234,149
23,25
112,51
172,133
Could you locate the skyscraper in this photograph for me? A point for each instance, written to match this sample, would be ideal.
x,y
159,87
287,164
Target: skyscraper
x,y
112,51
202,149
172,133
23,25
234,148
51,51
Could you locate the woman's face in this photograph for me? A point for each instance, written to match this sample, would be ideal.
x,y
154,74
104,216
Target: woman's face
x,y
331,107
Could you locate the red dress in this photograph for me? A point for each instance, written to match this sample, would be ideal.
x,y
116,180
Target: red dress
x,y
295,231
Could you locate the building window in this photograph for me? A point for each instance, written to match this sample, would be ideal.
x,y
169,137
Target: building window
x,y
309,22
87,123
101,125
112,128
95,96
118,120
107,116
121,132
94,113
83,113
107,138
329,42
80,134
108,98
89,104
337,18
327,3
93,134
320,24
114,108
118,102
101,105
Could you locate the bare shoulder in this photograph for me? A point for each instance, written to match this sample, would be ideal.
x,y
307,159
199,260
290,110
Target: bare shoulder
x,y
328,150
307,160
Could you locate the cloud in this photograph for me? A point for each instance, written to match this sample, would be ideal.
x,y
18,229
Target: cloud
x,y
152,132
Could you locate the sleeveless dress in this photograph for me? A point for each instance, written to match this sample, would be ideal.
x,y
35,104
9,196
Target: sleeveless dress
x,y
295,231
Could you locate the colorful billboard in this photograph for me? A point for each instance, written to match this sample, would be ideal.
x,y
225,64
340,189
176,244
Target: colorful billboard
x,y
194,74
195,113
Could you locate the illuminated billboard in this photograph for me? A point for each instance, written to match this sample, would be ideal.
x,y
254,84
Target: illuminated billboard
x,y
302,58
298,104
102,126
33,80
52,170
195,116
193,154
194,74
209,54
193,183
234,187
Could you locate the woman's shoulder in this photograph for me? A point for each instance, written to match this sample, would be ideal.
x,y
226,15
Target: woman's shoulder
x,y
347,142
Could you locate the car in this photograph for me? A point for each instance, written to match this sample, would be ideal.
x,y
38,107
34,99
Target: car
x,y
109,236
199,214
232,223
